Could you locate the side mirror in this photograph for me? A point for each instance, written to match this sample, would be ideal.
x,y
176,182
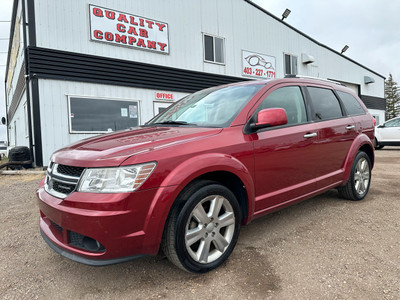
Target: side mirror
x,y
3,120
270,117
381,126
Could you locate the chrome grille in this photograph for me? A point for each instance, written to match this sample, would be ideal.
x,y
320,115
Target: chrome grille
x,y
62,180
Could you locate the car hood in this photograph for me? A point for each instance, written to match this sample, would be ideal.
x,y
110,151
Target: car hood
x,y
112,149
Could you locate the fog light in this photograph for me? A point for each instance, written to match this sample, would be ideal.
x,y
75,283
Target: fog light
x,y
91,244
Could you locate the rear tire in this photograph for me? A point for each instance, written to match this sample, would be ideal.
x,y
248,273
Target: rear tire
x,y
202,228
360,179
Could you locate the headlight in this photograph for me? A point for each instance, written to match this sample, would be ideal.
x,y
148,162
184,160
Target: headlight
x,y
115,180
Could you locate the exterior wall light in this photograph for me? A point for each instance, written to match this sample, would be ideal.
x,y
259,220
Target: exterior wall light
x,y
286,13
368,80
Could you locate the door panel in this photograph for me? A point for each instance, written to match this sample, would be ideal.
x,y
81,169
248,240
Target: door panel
x,y
334,141
336,133
284,164
284,155
390,132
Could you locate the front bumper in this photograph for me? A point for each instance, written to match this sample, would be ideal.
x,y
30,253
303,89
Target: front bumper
x,y
124,226
83,260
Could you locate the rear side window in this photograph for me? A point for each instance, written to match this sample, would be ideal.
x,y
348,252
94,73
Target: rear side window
x,y
351,104
326,105
291,100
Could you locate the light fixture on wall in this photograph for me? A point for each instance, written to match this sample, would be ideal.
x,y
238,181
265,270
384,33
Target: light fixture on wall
x,y
286,13
368,80
307,58
344,49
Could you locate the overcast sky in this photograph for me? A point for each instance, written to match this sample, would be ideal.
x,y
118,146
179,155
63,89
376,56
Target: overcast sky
x,y
369,27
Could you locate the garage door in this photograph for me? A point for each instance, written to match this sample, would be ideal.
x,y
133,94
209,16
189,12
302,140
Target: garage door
x,y
352,86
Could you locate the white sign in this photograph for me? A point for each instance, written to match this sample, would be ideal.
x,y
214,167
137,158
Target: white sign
x,y
258,65
118,28
124,112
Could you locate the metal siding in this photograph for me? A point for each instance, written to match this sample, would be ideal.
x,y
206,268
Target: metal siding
x,y
374,102
65,26
19,116
54,64
16,92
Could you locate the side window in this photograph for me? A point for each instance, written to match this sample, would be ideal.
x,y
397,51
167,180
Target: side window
x,y
393,123
214,49
351,104
326,105
291,100
290,64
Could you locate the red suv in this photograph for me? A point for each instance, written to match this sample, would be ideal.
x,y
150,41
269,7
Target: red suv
x,y
215,160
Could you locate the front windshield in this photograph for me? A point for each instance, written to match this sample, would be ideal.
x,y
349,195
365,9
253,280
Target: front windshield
x,y
215,107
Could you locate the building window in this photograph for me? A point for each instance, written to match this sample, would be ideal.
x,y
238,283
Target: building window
x,y
290,64
94,115
159,106
214,49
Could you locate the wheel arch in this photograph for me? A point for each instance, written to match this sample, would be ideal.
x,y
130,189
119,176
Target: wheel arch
x,y
361,143
220,168
234,184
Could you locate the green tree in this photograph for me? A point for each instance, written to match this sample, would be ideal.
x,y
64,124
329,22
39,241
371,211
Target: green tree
x,y
392,98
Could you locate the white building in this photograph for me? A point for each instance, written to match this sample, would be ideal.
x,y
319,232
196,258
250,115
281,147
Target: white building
x,y
82,67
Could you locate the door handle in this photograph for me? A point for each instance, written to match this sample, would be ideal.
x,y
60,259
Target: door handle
x,y
310,135
350,127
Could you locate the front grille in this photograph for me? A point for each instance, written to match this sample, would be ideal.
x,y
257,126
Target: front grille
x,y
70,171
80,241
63,188
62,180
58,227
75,239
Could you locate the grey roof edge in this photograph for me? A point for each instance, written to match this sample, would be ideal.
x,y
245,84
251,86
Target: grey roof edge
x,y
311,39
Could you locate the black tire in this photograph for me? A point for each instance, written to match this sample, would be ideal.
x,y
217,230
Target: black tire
x,y
196,224
360,179
376,145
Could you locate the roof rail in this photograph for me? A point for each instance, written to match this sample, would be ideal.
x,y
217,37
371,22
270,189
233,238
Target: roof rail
x,y
316,78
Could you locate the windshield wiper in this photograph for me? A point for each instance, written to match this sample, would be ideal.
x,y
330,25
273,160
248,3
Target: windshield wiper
x,y
170,122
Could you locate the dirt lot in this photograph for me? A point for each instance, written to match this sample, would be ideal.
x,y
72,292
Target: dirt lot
x,y
323,248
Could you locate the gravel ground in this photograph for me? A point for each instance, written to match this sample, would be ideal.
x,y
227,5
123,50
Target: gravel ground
x,y
322,248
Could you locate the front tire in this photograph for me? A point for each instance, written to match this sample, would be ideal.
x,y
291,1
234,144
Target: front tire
x,y
360,179
203,227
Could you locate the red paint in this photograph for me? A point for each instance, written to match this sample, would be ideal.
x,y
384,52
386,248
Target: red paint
x,y
98,12
164,96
